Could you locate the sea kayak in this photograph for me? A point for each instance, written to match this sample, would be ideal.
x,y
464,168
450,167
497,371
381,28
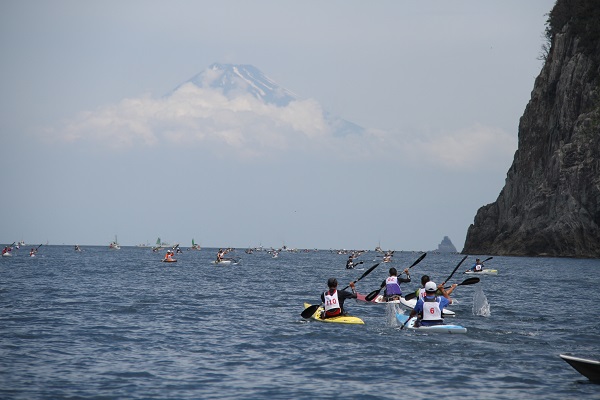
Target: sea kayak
x,y
402,318
226,262
586,367
410,304
169,260
483,272
344,319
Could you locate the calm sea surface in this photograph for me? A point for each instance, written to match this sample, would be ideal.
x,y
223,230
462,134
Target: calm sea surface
x,y
121,324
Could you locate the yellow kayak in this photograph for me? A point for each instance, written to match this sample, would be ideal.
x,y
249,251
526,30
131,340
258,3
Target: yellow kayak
x,y
344,319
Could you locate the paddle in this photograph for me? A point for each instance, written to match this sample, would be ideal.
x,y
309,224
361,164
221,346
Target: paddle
x,y
405,322
454,270
469,281
310,310
375,293
367,272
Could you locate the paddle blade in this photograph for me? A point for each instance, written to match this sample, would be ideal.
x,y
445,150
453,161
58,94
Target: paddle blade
x,y
410,296
418,260
372,295
309,311
470,281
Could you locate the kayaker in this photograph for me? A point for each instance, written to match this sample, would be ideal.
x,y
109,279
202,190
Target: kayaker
x,y
333,299
388,256
477,267
392,284
432,304
350,262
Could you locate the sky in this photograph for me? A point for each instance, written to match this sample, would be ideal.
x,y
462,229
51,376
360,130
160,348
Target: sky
x,y
97,143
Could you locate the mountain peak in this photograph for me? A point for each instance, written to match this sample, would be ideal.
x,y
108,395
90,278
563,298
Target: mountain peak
x,y
242,79
238,78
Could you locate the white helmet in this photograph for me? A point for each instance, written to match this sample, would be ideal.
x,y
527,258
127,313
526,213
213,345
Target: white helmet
x,y
430,286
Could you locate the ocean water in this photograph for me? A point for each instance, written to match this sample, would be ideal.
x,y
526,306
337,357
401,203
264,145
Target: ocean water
x,y
122,325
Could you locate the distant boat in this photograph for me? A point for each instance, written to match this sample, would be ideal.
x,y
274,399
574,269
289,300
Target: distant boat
x,y
195,246
158,246
114,245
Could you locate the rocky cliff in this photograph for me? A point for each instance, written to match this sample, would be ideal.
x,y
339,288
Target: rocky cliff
x,y
550,204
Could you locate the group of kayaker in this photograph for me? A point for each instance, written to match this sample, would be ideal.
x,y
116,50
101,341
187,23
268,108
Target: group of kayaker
x,y
431,298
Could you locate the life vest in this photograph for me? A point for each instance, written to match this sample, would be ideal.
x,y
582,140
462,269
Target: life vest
x,y
421,293
478,267
431,309
392,286
332,304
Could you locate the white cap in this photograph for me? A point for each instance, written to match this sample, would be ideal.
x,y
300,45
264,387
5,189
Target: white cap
x,y
430,286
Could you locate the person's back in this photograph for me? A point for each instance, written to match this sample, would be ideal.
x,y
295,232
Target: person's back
x,y
392,284
430,308
333,299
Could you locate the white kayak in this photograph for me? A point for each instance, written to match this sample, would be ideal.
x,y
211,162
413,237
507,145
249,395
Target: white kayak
x,y
445,328
226,262
6,255
410,304
483,272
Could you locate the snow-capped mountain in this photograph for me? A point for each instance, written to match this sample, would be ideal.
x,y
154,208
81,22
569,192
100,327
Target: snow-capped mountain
x,y
236,79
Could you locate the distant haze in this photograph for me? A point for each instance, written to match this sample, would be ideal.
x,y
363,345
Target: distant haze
x,y
357,125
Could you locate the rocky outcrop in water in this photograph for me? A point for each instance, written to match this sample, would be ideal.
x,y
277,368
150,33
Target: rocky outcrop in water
x,y
446,246
550,204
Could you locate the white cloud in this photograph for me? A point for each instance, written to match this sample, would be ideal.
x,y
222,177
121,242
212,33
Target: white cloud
x,y
478,146
246,127
196,116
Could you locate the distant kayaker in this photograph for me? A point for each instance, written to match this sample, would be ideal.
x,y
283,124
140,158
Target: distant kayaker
x,y
350,262
169,255
32,252
429,309
333,299
392,284
477,267
220,254
388,256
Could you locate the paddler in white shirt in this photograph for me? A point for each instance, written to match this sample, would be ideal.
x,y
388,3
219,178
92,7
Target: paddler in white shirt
x,y
430,308
392,284
333,299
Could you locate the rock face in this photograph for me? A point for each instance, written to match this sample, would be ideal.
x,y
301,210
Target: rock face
x,y
446,246
550,204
